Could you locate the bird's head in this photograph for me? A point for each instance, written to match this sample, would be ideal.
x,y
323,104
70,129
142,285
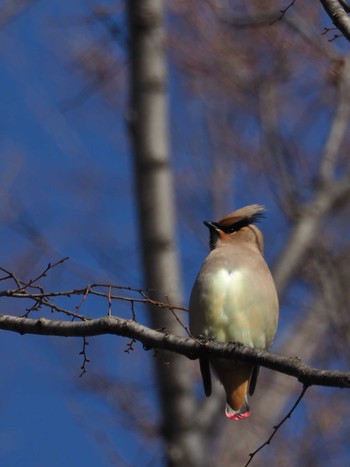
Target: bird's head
x,y
238,226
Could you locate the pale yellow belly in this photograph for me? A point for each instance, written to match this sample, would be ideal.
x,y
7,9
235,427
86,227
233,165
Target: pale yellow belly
x,y
229,306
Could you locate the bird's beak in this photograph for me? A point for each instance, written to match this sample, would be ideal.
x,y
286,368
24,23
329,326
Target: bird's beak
x,y
211,225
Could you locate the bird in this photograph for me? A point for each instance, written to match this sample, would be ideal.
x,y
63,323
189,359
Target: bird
x,y
234,299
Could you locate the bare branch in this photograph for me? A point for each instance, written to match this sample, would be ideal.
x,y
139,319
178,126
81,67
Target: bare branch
x,y
338,15
283,12
329,196
153,339
91,289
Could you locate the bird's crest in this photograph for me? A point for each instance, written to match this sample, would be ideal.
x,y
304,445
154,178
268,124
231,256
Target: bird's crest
x,y
241,218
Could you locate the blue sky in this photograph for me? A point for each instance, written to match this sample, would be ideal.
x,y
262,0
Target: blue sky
x,y
66,191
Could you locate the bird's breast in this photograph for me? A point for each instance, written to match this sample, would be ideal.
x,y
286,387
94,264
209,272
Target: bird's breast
x,y
233,305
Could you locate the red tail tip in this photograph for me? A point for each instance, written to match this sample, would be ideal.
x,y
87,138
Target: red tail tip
x,y
237,415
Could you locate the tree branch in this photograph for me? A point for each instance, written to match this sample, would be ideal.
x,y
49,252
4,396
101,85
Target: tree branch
x,y
338,15
329,196
161,339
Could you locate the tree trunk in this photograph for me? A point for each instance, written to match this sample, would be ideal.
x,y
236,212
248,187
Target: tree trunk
x,y
156,212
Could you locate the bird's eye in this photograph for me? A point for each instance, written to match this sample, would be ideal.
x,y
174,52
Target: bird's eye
x,y
230,230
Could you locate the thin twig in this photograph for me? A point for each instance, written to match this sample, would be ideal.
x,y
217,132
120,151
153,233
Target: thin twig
x,y
130,346
41,298
177,318
335,37
85,358
44,272
327,30
133,311
277,427
109,301
87,290
159,304
283,12
67,293
53,307
10,275
188,332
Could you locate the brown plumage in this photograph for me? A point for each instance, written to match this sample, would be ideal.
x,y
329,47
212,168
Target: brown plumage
x,y
234,299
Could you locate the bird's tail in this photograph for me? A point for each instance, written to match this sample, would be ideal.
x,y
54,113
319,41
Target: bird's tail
x,y
237,406
242,412
235,378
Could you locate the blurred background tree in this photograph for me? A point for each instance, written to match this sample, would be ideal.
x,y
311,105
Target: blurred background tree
x,y
257,104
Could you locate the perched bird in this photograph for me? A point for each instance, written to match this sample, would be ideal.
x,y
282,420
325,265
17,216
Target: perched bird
x,y
234,299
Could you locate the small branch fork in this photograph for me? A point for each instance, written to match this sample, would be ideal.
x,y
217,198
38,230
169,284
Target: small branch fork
x,y
34,292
